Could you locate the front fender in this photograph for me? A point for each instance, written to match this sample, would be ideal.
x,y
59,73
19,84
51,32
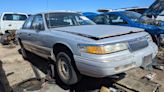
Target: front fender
x,y
64,43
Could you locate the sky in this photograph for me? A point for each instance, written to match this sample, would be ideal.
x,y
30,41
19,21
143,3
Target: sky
x,y
35,6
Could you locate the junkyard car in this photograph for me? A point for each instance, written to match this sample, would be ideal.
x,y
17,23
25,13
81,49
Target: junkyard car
x,y
9,23
133,19
79,46
150,20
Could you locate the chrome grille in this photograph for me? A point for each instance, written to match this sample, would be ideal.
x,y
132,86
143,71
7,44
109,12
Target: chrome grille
x,y
137,44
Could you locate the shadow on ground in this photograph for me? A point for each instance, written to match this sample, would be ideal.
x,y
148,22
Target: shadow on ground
x,y
87,84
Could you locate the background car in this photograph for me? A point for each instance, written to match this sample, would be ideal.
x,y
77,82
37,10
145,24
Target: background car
x,y
9,23
133,19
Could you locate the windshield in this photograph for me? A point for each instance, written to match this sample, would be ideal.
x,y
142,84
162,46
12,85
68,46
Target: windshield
x,y
134,16
66,19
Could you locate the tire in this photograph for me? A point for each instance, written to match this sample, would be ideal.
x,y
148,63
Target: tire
x,y
65,70
4,39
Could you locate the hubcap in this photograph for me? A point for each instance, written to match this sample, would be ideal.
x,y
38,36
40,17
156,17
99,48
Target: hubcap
x,y
63,69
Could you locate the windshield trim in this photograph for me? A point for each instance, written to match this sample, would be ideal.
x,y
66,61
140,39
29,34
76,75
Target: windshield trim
x,y
75,24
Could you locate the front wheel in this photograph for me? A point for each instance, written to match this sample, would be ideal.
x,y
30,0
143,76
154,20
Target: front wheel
x,y
65,69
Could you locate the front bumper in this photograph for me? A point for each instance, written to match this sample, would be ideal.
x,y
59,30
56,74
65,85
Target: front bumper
x,y
92,65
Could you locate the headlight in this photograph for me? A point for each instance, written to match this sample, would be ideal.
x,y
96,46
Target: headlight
x,y
103,49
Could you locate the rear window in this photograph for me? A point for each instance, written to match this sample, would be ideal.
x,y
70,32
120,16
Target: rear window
x,y
14,17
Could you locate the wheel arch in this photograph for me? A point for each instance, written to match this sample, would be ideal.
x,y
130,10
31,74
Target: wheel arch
x,y
61,46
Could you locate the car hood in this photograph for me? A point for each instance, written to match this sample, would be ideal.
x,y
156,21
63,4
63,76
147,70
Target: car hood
x,y
99,31
156,8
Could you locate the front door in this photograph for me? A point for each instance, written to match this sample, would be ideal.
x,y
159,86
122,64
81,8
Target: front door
x,y
37,36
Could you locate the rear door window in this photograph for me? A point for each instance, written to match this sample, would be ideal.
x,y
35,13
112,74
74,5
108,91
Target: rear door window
x,y
14,17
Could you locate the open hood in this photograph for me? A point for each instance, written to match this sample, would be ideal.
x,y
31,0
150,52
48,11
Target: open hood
x,y
155,9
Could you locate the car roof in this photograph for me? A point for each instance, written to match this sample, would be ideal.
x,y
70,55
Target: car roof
x,y
117,12
90,13
114,12
58,11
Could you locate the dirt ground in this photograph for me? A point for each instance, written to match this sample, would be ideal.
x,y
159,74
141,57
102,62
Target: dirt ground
x,y
18,70
14,65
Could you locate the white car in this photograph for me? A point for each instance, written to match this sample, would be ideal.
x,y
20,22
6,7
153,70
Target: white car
x,y
9,23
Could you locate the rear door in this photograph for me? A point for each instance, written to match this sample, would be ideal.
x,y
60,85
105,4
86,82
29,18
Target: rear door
x,y
25,31
13,21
